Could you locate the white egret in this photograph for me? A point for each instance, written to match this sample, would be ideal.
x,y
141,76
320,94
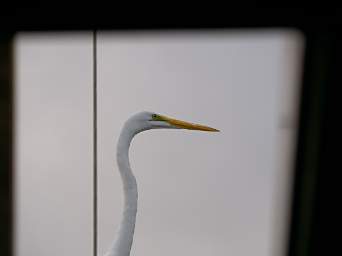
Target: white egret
x,y
137,123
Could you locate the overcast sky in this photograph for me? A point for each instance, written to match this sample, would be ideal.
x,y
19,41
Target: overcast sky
x,y
199,193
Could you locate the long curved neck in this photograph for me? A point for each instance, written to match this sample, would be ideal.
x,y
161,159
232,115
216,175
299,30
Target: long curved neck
x,y
123,242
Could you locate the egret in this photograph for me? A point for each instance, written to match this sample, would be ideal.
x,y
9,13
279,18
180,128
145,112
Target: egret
x,y
138,123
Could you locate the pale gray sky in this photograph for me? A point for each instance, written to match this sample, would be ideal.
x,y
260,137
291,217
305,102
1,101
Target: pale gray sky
x,y
200,193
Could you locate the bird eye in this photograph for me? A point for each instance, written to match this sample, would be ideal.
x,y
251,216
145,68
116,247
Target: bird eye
x,y
154,116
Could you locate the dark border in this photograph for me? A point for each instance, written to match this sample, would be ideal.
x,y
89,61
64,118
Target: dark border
x,y
96,16
6,142
311,163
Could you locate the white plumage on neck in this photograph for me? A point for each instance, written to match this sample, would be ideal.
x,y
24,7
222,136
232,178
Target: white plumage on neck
x,y
123,242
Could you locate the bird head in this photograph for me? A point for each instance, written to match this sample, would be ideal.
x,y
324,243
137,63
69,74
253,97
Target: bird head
x,y
149,120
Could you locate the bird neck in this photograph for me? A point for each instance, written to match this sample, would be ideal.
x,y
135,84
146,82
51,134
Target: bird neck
x,y
123,242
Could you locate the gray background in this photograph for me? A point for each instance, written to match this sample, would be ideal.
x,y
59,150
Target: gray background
x,y
200,193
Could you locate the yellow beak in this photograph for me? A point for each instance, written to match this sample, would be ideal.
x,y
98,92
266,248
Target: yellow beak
x,y
186,125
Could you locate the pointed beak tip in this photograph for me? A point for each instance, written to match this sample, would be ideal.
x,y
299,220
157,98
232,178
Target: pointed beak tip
x,y
208,129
